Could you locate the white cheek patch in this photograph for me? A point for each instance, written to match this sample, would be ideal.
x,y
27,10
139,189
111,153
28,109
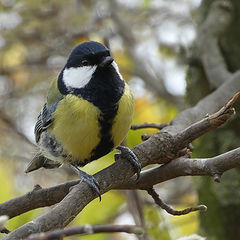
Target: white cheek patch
x,y
78,77
114,64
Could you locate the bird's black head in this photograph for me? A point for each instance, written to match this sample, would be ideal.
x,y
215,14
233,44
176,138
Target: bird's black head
x,y
89,54
92,73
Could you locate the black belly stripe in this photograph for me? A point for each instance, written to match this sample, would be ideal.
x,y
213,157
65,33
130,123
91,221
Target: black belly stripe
x,y
106,144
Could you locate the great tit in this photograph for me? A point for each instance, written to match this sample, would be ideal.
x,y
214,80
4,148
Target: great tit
x,y
88,113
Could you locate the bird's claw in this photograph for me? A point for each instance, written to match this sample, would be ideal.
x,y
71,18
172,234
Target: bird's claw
x,y
89,179
129,155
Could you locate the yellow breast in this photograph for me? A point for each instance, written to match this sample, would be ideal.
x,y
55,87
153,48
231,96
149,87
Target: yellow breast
x,y
123,119
76,126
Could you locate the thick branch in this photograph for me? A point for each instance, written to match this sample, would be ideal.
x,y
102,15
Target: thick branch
x,y
186,167
207,41
37,198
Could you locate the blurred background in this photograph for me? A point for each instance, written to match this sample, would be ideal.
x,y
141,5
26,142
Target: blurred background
x,y
151,41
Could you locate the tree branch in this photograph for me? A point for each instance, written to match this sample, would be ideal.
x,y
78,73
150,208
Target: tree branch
x,y
214,120
169,209
149,125
86,229
186,167
207,41
37,198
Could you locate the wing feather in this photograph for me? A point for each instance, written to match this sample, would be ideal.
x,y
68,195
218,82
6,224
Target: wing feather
x,y
44,120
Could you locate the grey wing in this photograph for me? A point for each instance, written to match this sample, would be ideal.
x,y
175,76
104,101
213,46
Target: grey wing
x,y
45,118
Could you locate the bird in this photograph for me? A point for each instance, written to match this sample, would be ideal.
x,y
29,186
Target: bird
x,y
87,114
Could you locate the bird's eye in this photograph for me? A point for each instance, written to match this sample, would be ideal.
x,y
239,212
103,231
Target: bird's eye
x,y
85,62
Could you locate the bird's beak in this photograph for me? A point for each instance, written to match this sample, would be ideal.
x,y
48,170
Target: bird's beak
x,y
106,61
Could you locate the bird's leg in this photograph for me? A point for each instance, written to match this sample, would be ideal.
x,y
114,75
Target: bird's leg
x,y
129,155
89,179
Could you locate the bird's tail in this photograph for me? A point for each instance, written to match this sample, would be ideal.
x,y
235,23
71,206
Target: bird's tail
x,y
39,161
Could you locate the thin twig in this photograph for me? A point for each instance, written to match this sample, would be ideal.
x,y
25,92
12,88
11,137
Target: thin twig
x,y
169,209
224,111
86,229
149,125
